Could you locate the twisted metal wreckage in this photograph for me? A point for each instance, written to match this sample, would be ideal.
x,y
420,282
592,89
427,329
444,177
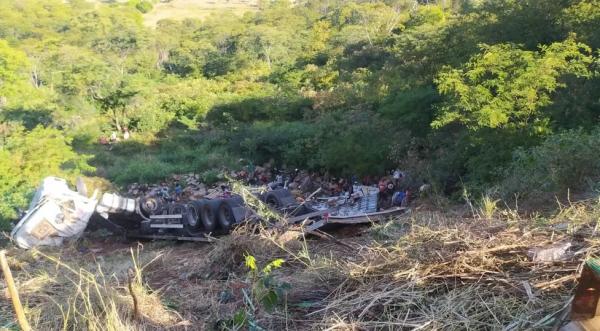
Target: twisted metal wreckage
x,y
57,212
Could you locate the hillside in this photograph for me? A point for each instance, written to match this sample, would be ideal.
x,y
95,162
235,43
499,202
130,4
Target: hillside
x,y
484,113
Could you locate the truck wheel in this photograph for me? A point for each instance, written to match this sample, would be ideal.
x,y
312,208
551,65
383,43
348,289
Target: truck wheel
x,y
145,227
178,209
280,198
273,201
208,214
150,206
226,214
192,224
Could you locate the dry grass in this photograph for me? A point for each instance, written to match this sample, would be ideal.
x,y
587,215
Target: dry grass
x,y
182,9
427,271
453,276
67,290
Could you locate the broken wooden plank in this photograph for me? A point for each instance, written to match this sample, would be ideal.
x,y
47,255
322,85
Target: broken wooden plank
x,y
314,226
14,294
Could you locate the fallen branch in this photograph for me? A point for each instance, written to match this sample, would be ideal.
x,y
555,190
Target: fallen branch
x,y
136,311
14,294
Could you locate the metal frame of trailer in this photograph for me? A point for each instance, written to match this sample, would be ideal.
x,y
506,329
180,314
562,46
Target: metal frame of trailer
x,y
309,223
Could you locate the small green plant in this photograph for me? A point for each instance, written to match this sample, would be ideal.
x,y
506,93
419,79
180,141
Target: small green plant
x,y
211,176
263,291
467,197
487,207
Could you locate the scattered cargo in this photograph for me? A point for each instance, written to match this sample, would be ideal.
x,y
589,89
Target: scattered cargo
x,y
56,213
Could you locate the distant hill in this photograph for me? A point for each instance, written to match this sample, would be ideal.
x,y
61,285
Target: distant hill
x,y
181,9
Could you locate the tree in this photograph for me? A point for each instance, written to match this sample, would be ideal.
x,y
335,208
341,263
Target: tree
x,y
115,105
13,72
584,19
507,86
369,21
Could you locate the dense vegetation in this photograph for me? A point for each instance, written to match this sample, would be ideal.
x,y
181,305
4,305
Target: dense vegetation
x,y
491,94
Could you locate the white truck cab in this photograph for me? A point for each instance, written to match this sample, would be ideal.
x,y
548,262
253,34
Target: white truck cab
x,y
56,212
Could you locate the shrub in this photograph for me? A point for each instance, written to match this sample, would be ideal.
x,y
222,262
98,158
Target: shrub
x,y
568,160
144,6
210,177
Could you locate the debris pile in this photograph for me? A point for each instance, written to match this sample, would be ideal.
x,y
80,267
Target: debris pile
x,y
427,271
184,187
392,190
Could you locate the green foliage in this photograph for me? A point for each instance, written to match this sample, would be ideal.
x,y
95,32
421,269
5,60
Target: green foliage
x,y
506,86
430,14
584,17
563,161
115,105
487,207
14,67
134,161
264,292
448,90
353,144
210,177
144,6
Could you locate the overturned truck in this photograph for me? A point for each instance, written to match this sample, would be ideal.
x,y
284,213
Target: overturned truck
x,y
57,212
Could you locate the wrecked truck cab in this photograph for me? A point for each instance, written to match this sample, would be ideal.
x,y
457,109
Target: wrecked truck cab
x,y
55,213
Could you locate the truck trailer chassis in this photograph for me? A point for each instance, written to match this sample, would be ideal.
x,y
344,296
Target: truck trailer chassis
x,y
56,212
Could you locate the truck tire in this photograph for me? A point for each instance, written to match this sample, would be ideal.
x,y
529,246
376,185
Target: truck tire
x,y
150,206
279,199
192,221
178,209
208,214
227,213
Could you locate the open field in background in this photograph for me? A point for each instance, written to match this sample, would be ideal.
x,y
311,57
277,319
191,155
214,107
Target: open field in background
x,y
182,9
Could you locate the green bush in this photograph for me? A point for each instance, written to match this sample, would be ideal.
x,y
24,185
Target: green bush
x,y
567,160
144,6
210,177
140,169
